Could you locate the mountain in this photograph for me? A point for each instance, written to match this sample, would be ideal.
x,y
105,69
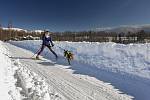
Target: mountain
x,y
16,29
38,31
19,29
126,28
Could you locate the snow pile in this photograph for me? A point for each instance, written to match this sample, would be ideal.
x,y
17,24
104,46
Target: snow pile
x,y
133,59
33,86
8,89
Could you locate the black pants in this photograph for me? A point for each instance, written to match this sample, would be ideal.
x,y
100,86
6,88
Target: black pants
x,y
49,47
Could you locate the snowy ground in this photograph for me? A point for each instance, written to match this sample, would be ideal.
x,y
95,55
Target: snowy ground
x,y
127,67
18,82
48,80
8,89
133,59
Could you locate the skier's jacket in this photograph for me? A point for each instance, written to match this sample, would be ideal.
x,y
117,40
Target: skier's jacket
x,y
47,41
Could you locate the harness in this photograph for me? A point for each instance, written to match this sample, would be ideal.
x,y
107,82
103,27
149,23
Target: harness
x,y
68,54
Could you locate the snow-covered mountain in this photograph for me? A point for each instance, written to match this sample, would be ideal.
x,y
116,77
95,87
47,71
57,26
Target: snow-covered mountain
x,y
20,29
38,31
126,28
16,29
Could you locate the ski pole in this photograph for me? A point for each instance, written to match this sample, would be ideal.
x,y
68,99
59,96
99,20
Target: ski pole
x,y
36,52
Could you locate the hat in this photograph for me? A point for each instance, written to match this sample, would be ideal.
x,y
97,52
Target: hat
x,y
46,31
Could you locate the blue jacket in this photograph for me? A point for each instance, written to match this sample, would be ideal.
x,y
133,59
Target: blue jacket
x,y
47,40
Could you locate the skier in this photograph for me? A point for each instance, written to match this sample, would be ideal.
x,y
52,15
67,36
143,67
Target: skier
x,y
46,42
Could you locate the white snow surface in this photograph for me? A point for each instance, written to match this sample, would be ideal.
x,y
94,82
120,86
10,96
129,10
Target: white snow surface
x,y
33,86
38,31
126,67
133,59
15,29
56,80
18,82
8,89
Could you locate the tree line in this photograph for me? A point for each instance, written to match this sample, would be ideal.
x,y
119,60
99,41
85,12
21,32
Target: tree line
x,y
90,36
102,36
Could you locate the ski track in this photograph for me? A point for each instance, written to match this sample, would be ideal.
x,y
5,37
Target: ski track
x,y
75,86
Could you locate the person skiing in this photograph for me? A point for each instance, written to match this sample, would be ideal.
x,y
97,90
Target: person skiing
x,y
46,42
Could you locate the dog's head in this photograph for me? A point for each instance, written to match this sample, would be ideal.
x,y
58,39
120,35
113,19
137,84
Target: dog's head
x,y
68,54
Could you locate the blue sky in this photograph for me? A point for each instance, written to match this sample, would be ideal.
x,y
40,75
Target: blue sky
x,y
74,15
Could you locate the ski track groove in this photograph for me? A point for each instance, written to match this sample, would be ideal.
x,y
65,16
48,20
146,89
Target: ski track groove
x,y
70,88
66,82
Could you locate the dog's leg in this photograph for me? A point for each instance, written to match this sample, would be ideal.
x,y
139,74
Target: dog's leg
x,y
69,61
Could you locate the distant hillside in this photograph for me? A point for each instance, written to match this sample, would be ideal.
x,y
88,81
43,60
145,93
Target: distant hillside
x,y
126,28
15,29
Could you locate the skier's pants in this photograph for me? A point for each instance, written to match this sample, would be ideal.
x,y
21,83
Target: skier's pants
x,y
49,47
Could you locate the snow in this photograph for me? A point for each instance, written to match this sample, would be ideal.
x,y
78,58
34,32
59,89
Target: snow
x,y
17,82
75,82
19,29
8,90
15,29
118,64
38,31
34,87
133,59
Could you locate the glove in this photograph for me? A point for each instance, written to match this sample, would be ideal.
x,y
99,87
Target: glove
x,y
52,45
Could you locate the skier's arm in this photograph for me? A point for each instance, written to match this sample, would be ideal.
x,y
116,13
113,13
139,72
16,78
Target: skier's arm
x,y
44,40
50,39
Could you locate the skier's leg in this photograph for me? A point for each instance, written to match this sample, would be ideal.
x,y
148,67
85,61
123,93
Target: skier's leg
x,y
42,48
69,61
49,47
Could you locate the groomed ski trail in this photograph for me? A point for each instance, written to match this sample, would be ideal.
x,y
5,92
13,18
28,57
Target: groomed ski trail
x,y
64,82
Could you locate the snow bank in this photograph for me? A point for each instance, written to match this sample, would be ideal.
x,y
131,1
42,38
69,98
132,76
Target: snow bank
x,y
133,59
34,87
8,89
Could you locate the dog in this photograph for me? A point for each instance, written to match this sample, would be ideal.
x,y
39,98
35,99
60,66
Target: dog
x,y
69,55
